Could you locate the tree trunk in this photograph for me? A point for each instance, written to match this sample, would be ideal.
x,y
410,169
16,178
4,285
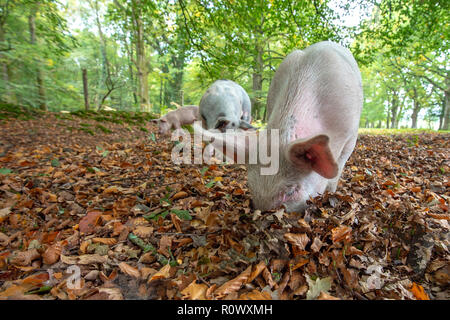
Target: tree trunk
x,y
446,110
85,89
141,63
416,110
39,73
394,109
4,70
388,117
178,63
257,82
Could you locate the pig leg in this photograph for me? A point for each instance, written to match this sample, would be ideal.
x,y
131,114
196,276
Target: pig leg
x,y
345,154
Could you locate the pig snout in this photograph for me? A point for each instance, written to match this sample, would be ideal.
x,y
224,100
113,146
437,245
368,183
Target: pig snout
x,y
223,124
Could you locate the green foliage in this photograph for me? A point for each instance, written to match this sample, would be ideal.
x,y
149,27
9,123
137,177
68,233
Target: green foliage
x,y
402,49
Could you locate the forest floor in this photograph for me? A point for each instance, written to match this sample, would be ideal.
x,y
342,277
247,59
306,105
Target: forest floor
x,y
92,207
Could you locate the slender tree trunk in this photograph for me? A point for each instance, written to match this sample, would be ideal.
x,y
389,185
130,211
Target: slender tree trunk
x,y
130,54
4,70
416,109
167,94
161,90
394,109
109,83
388,115
141,63
39,72
446,109
85,89
257,82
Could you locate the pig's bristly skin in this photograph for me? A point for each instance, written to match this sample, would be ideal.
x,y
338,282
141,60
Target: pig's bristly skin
x,y
175,119
314,92
225,101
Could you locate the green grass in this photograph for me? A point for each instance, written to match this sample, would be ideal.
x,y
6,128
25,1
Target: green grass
x,y
8,111
102,128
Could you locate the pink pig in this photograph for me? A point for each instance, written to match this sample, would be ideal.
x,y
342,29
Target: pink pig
x,y
175,119
314,103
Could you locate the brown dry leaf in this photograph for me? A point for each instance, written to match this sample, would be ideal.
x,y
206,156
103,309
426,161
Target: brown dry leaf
x,y
84,259
88,222
256,271
234,284
255,295
52,254
15,290
298,240
131,271
118,227
84,245
146,272
25,258
165,245
176,222
195,291
358,177
283,283
299,264
326,296
107,241
179,195
341,233
143,231
317,244
301,290
112,293
439,216
268,277
4,213
163,273
4,240
111,189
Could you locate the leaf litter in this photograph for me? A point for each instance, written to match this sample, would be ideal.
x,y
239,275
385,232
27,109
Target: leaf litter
x,y
138,226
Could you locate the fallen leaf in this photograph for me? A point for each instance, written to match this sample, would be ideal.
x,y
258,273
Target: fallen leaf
x,y
317,286
88,222
52,254
179,195
255,295
234,284
341,233
195,291
419,292
127,269
163,273
298,240
107,241
25,258
326,296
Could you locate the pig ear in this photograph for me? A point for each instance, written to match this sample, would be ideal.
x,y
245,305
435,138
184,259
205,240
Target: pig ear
x,y
314,152
154,120
245,125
